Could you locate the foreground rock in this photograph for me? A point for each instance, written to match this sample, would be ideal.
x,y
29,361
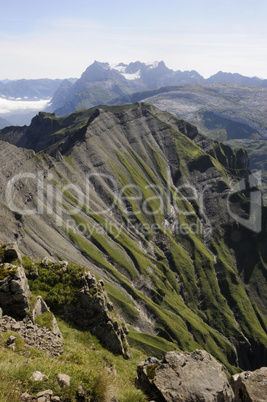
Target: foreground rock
x,y
63,380
14,290
184,377
250,386
95,312
38,376
43,396
92,310
15,306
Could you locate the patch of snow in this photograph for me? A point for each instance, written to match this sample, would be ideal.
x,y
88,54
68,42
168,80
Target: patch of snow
x,y
134,76
117,67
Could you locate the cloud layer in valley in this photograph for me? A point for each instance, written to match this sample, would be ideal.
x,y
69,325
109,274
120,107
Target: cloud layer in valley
x,y
10,106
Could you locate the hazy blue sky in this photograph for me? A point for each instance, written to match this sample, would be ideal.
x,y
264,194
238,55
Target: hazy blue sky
x,y
59,39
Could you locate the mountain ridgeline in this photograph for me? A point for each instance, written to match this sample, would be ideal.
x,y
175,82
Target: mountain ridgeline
x,y
102,83
142,199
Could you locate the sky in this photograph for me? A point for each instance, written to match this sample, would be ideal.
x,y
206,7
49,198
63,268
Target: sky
x,y
60,39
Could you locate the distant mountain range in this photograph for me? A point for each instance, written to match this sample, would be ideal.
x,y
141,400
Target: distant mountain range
x,y
116,80
103,83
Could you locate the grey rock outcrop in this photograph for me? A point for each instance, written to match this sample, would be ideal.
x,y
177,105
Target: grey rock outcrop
x,y
95,312
250,386
14,291
184,377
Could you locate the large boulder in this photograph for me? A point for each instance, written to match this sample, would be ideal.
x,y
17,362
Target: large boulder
x,y
185,377
250,386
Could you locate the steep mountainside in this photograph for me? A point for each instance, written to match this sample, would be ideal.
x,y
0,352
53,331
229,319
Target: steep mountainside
x,y
257,151
230,113
142,199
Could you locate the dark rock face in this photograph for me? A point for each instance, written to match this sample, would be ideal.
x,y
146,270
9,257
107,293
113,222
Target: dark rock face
x,y
184,377
250,386
95,312
14,291
12,252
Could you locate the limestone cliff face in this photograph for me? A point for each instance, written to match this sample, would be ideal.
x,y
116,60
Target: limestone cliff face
x,y
142,199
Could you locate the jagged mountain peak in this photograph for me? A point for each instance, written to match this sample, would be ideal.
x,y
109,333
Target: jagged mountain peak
x,y
96,72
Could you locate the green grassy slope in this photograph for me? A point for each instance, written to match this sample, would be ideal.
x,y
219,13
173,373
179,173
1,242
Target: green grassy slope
x,y
125,204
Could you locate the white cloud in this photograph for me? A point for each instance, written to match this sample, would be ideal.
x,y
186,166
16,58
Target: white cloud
x,y
16,106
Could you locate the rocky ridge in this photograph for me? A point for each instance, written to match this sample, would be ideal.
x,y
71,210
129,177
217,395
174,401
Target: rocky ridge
x,y
15,314
92,311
